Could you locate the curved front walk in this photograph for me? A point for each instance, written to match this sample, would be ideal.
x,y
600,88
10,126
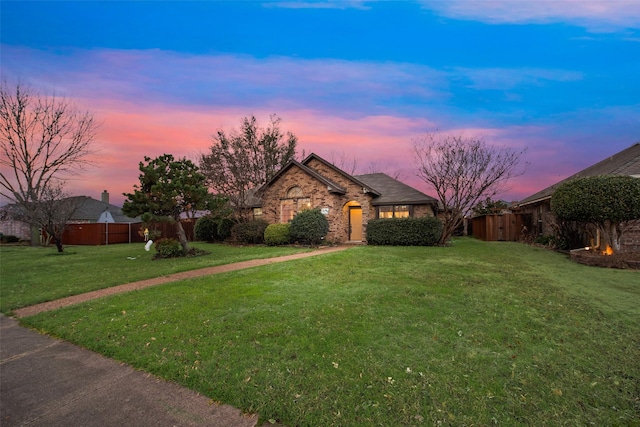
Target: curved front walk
x,y
49,382
76,299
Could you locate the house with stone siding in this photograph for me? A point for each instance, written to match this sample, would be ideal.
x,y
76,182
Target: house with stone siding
x,y
347,201
538,205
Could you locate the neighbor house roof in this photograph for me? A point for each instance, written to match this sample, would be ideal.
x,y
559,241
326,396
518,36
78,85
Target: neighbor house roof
x,y
394,192
91,210
625,162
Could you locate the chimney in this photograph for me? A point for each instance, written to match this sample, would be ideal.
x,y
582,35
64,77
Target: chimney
x,y
105,197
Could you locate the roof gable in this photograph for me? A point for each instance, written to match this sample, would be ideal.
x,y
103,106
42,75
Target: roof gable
x,y
332,187
383,189
339,171
625,162
91,210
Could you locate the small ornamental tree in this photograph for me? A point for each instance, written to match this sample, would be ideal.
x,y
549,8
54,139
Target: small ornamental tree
x,y
605,201
309,226
168,188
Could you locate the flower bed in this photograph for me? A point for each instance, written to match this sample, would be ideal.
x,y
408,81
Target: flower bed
x,y
628,260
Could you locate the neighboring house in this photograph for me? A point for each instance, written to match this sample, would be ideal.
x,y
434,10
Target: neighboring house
x,y
89,211
538,205
92,210
347,201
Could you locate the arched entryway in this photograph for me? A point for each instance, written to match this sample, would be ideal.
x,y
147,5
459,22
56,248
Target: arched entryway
x,y
353,213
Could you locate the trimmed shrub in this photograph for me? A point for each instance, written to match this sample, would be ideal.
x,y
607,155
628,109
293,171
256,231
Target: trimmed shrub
x,y
424,231
277,234
168,248
224,228
251,232
206,229
309,226
8,238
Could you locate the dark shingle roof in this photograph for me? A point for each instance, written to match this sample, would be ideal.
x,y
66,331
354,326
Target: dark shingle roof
x,y
625,162
394,192
90,210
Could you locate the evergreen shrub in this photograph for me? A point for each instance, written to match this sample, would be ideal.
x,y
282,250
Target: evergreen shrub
x,y
168,248
251,232
277,234
206,229
309,226
424,231
224,228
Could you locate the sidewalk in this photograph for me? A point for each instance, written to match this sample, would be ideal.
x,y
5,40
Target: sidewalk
x,y
49,382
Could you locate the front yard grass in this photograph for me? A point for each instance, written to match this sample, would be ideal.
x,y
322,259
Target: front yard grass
x,y
474,334
32,275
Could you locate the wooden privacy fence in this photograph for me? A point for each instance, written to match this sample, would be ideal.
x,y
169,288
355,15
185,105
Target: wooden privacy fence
x,y
110,233
500,227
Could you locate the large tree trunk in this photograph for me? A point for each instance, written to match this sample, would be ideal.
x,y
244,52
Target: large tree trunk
x,y
182,237
35,236
612,235
58,242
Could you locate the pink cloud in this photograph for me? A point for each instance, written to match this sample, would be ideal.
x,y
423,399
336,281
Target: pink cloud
x,y
598,15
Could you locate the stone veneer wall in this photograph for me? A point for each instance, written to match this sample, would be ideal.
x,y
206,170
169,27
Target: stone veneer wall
x,y
630,241
320,198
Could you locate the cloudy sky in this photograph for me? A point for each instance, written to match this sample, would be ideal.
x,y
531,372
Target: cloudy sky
x,y
352,79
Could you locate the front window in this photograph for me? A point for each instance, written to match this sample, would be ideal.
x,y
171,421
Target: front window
x,y
394,211
257,213
293,203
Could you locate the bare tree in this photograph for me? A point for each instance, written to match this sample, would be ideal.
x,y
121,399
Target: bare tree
x,y
50,214
242,161
375,167
463,170
343,162
41,139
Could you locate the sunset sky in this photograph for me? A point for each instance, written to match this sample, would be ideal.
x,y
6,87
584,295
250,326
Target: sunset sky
x,y
351,79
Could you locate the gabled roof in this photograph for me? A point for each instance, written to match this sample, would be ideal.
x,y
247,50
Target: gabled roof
x,y
394,192
90,210
625,162
332,187
352,178
384,189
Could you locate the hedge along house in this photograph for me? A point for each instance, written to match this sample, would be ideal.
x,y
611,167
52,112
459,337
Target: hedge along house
x,y
347,201
538,205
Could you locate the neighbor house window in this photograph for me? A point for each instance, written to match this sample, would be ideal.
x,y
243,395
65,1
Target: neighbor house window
x,y
257,213
294,202
394,211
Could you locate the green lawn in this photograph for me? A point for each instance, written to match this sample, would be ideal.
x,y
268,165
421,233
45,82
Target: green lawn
x,y
32,275
474,334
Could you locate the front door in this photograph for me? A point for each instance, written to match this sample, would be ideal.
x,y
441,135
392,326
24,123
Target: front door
x,y
355,223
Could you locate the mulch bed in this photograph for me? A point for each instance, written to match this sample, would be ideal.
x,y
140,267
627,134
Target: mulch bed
x,y
628,260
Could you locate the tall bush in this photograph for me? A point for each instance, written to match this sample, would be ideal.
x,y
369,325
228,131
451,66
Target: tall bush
x,y
206,229
424,231
605,201
309,226
224,228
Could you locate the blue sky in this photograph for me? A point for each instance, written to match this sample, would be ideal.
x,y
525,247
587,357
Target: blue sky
x,y
352,79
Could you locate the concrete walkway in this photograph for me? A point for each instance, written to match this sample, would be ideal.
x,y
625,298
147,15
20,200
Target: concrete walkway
x,y
49,382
